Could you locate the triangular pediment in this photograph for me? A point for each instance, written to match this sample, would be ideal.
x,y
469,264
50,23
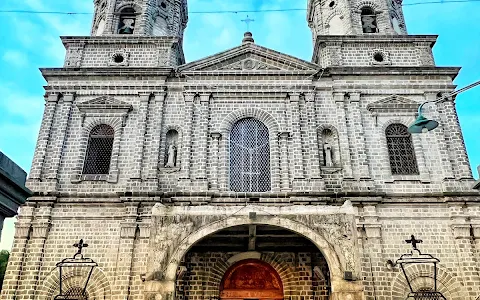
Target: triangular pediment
x,y
250,58
105,103
393,103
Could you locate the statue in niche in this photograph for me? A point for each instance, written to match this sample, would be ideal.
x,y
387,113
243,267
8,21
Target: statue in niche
x,y
327,150
171,156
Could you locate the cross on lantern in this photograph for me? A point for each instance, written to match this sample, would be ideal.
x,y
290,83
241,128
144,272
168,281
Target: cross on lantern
x,y
80,245
414,242
248,21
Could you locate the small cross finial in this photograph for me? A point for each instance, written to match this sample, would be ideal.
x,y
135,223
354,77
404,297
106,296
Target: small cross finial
x,y
414,242
80,245
248,21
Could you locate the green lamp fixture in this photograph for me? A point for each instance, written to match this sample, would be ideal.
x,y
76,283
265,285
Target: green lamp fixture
x,y
422,124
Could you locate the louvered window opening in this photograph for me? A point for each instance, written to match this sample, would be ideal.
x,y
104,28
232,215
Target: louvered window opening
x,y
249,157
99,150
401,151
426,295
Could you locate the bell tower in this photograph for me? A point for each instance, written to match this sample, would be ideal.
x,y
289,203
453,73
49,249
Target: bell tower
x,y
347,17
162,18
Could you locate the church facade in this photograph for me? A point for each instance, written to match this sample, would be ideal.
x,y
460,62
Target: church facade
x,y
249,174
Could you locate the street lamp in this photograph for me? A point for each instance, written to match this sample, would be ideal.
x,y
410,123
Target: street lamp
x,y
77,266
417,257
422,124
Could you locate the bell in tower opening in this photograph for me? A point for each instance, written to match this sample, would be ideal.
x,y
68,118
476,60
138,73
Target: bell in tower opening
x,y
126,24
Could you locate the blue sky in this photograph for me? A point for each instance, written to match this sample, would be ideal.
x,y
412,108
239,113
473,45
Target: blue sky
x,y
31,41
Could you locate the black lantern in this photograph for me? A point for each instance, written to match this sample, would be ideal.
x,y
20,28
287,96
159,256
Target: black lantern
x,y
417,257
77,266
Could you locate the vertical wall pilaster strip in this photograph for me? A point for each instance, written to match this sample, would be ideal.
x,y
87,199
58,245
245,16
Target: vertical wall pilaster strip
x,y
58,140
136,168
110,27
284,172
201,129
313,169
187,135
128,231
454,136
16,260
152,148
297,155
343,135
29,280
357,137
215,156
440,135
44,136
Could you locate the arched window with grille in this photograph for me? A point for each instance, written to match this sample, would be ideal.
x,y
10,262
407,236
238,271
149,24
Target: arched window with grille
x,y
99,150
127,21
400,150
249,156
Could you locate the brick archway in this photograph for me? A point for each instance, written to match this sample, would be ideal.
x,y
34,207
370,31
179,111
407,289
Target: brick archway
x,y
251,279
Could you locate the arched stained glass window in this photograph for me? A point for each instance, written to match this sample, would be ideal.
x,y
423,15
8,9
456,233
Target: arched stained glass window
x,y
400,150
99,150
249,157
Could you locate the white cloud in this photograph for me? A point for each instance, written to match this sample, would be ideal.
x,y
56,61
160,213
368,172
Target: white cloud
x,y
15,58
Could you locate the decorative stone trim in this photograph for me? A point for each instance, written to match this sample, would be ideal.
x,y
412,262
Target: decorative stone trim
x,y
393,103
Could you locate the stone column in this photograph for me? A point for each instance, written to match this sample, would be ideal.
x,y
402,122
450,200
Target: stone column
x,y
152,148
297,155
43,136
215,156
357,137
187,136
455,142
128,230
18,253
284,176
313,168
465,246
201,129
345,155
58,140
143,107
29,279
442,143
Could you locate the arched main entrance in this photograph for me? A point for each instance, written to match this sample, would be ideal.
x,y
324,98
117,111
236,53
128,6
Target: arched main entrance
x,y
251,279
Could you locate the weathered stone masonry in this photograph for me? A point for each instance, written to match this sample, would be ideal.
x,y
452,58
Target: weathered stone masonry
x,y
150,224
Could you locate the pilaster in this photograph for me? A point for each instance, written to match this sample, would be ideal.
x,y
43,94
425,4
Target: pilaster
x,y
357,137
345,154
201,135
297,155
18,254
152,148
43,137
40,227
143,108
214,159
187,139
313,166
454,138
128,230
58,140
284,170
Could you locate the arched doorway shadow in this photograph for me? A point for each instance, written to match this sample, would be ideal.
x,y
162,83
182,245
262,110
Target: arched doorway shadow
x,y
251,279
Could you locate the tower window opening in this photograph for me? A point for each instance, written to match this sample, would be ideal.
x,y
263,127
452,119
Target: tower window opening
x,y
163,5
332,4
369,20
127,21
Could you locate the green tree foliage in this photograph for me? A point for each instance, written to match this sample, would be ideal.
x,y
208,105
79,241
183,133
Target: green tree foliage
x,y
4,255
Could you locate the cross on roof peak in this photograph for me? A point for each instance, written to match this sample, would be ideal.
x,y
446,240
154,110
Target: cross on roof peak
x,y
80,245
248,21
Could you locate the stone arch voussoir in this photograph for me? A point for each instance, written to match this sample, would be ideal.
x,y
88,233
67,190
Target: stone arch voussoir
x,y
259,114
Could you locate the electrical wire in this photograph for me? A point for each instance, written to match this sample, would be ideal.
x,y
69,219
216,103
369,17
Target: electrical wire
x,y
223,11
